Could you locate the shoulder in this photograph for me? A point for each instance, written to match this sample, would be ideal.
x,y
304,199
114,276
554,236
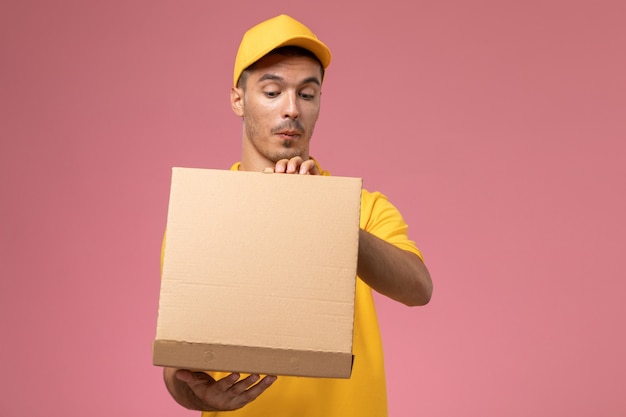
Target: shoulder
x,y
374,202
381,218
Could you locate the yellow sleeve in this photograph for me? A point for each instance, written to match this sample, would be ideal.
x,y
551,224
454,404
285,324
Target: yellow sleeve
x,y
382,219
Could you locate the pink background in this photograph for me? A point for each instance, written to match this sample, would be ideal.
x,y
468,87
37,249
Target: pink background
x,y
497,127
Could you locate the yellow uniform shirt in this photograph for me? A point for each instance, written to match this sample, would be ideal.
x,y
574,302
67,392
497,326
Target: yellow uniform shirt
x,y
364,394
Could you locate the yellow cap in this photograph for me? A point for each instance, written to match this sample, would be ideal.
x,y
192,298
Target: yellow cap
x,y
273,33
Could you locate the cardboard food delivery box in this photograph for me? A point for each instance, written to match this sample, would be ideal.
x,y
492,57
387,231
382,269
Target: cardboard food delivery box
x,y
259,273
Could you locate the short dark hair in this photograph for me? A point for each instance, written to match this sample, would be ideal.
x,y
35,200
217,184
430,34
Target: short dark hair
x,y
287,51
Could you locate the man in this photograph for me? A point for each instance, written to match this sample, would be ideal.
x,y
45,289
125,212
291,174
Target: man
x,y
278,77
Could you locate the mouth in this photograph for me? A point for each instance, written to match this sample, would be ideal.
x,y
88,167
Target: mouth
x,y
289,130
289,134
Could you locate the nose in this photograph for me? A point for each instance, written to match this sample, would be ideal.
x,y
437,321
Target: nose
x,y
291,110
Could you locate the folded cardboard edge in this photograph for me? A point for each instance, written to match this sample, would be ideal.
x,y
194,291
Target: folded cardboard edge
x,y
248,359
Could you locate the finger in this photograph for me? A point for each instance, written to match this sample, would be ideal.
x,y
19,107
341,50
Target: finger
x,y
254,391
227,382
243,385
233,394
294,164
192,378
251,393
281,166
309,168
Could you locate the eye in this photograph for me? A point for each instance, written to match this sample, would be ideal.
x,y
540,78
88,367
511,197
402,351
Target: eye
x,y
307,95
271,94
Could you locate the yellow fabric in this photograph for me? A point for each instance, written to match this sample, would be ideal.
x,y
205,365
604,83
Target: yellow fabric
x,y
273,33
364,394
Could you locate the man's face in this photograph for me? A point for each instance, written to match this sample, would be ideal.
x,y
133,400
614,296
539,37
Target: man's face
x,y
279,105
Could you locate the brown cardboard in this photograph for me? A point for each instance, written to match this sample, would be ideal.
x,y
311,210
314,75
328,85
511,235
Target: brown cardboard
x,y
259,273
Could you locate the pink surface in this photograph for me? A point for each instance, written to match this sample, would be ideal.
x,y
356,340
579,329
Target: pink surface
x,y
498,128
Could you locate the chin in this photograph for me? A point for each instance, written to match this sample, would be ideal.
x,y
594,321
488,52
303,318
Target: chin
x,y
287,154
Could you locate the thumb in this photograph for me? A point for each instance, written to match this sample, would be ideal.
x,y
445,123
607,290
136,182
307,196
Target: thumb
x,y
192,378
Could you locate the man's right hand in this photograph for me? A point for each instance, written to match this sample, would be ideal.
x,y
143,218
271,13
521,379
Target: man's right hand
x,y
199,391
296,165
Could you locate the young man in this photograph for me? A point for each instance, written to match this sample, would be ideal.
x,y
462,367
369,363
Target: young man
x,y
278,77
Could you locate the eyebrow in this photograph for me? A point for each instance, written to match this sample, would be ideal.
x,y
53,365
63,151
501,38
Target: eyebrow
x,y
274,77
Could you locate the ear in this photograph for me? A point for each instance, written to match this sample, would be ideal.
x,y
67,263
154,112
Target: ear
x,y
236,100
